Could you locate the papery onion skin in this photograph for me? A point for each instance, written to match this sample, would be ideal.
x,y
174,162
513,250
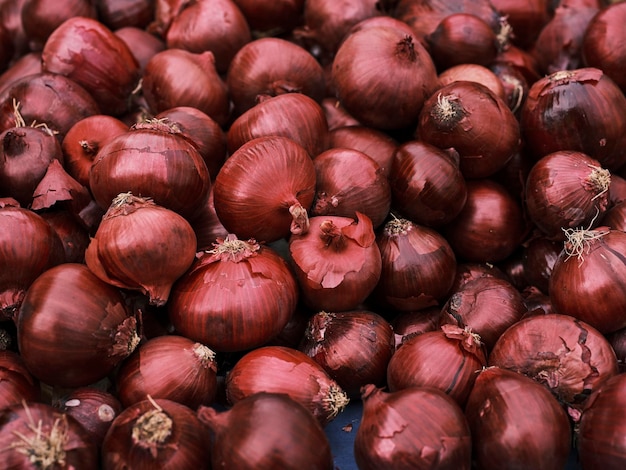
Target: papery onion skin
x,y
89,53
568,356
156,433
262,296
576,110
408,324
418,266
337,262
171,367
419,427
516,422
257,194
474,73
141,245
353,347
280,369
600,435
586,280
538,258
91,348
74,236
267,430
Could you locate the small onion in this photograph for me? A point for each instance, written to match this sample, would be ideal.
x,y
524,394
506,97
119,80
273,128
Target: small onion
x,y
156,433
419,427
279,369
237,296
337,262
162,249
516,422
267,430
353,347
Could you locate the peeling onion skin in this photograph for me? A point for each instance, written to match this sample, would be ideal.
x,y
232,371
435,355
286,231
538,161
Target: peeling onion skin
x,y
514,419
568,356
417,428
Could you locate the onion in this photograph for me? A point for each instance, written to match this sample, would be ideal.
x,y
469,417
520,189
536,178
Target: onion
x,y
141,245
408,324
487,306
30,247
418,266
171,367
347,181
61,351
16,383
176,77
474,73
466,272
37,435
117,14
291,115
577,110
615,217
156,433
538,258
600,433
87,52
566,355
353,347
490,226
279,369
378,68
337,262
27,64
514,82
419,427
470,118
257,193
153,160
272,66
11,21
586,280
525,19
427,185
516,422
336,115
218,26
415,362
267,430
93,408
262,296
274,17
142,44
207,226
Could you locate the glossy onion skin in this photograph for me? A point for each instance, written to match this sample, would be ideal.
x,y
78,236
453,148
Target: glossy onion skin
x,y
58,348
234,302
516,422
416,428
267,430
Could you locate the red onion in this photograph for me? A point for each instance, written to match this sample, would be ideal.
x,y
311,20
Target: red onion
x,y
37,435
617,189
337,262
87,52
291,115
489,227
336,114
487,306
568,356
164,12
278,369
27,64
16,383
466,272
427,185
525,19
156,433
272,66
408,324
578,110
474,73
538,258
267,430
117,14
56,348
353,347
274,17
142,44
377,68
615,217
419,427
470,118
418,266
153,160
171,367
74,236
263,296
161,249
30,246
415,362
218,26
347,181
586,280
176,77
515,422
514,82
600,434
207,225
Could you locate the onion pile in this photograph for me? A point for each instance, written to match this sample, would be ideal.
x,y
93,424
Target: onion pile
x,y
226,221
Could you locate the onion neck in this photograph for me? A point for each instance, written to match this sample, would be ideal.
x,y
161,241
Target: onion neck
x,y
45,450
300,222
398,227
234,250
335,401
331,236
89,148
13,144
126,339
205,355
318,325
152,429
447,112
578,241
405,49
598,181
